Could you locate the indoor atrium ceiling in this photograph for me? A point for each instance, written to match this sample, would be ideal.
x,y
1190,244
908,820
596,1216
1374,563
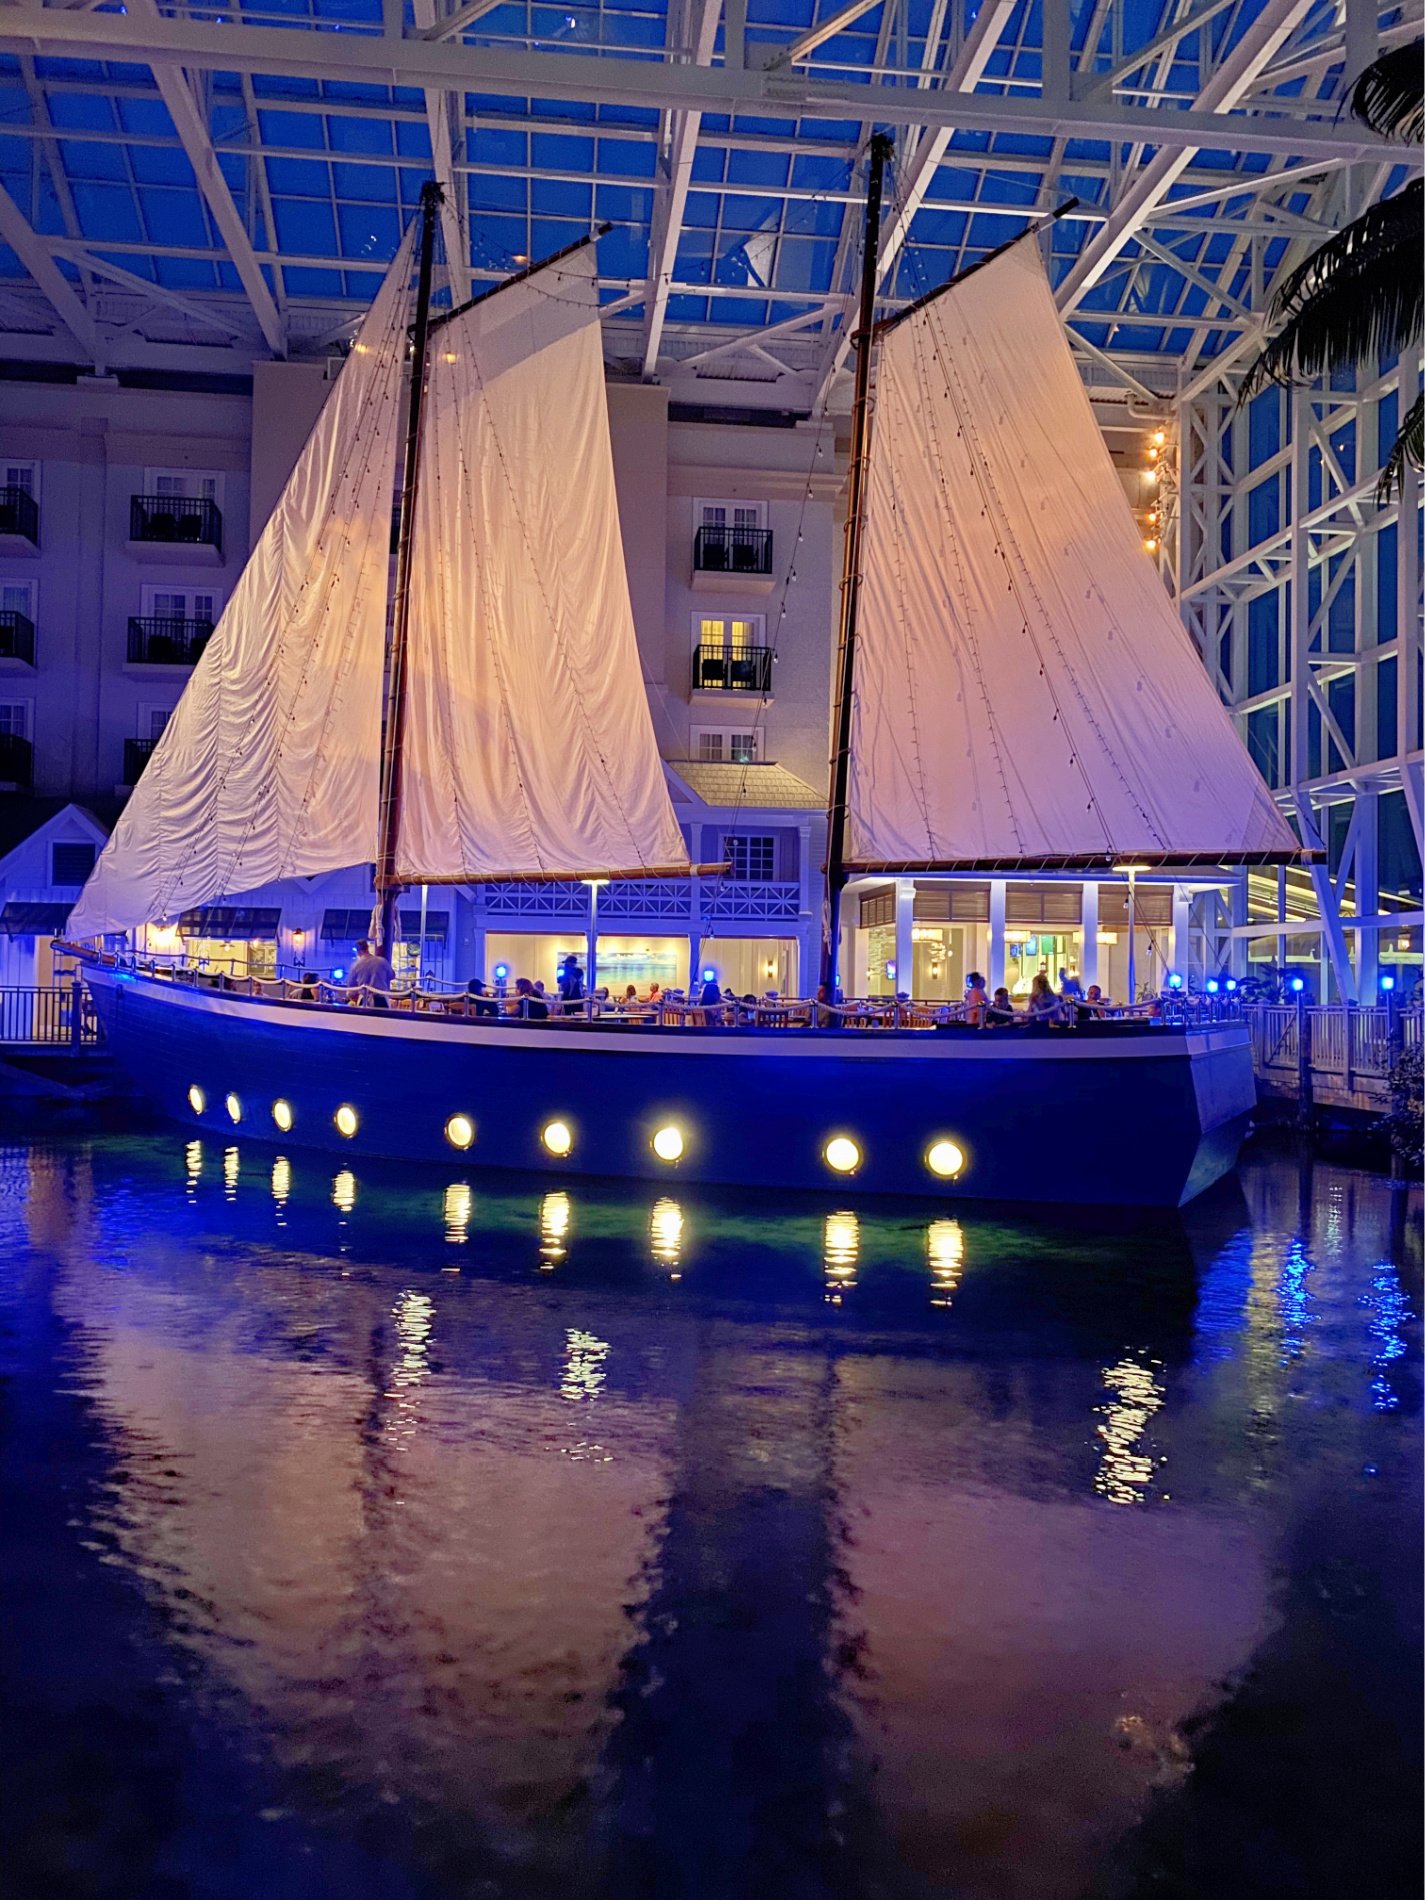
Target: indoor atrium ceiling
x,y
202,184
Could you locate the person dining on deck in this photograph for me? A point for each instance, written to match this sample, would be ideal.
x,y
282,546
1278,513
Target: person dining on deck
x,y
1001,1009
1044,1005
529,1002
977,1002
479,1003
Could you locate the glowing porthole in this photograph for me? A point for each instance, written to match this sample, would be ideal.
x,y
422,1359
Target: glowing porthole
x,y
234,1108
346,1120
842,1154
282,1115
460,1131
197,1100
668,1143
945,1158
558,1138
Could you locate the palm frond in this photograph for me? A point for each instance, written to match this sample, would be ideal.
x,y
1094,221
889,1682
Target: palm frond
x,y
1408,450
1359,297
1389,96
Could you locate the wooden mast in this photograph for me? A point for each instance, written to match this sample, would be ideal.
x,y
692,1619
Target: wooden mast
x,y
387,889
851,569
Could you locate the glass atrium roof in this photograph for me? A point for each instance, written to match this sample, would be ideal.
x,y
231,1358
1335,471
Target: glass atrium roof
x,y
212,182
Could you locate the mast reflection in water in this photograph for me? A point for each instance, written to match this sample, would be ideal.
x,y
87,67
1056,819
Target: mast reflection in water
x,y
523,1582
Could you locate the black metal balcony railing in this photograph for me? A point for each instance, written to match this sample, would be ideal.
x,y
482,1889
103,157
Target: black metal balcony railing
x,y
732,669
17,760
186,519
137,753
733,551
17,636
20,514
162,640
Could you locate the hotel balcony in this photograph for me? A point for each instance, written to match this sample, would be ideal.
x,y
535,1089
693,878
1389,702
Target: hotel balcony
x,y
721,669
17,638
17,762
160,640
137,753
739,555
19,521
183,527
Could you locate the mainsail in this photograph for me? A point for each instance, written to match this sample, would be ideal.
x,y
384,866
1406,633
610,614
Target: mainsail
x,y
528,745
268,767
1025,692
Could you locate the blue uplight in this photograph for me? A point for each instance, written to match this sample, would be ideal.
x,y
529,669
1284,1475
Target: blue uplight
x,y
337,975
1297,984
1231,982
1387,983
710,975
1175,982
502,970
1212,986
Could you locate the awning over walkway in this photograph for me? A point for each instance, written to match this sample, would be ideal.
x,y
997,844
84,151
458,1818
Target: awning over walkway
x,y
232,921
349,926
33,920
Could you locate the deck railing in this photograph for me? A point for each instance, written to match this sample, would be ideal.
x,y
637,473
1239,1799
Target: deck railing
x,y
190,519
167,640
53,1015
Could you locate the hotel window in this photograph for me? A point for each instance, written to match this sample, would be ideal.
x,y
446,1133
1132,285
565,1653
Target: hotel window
x,y
737,515
22,475
752,855
152,720
180,603
719,747
194,484
18,597
14,718
731,632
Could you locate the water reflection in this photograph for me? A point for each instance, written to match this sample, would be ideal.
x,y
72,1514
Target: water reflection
x,y
1126,1461
555,1212
840,1249
533,1585
945,1251
232,1167
665,1234
459,1203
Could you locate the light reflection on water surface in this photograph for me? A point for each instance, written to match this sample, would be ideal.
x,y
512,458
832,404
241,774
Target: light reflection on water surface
x,y
477,1539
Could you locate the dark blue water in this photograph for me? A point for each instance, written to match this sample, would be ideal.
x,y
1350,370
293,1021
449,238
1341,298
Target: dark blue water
x,y
379,1534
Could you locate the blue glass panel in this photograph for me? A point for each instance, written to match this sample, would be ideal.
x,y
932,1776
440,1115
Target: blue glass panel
x,y
1263,657
1264,510
1387,541
1387,423
1263,727
1264,425
1387,673
1341,620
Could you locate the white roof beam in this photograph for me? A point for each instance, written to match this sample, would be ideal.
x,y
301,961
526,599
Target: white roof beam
x,y
192,128
1267,34
805,44
1168,41
32,252
679,145
443,136
454,24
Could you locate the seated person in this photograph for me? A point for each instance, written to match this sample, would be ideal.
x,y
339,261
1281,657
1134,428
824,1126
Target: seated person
x,y
1096,999
976,1000
478,1003
1043,1003
1001,1009
825,1016
308,991
528,1002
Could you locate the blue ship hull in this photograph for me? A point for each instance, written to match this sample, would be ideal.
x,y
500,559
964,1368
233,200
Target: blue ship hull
x,y
1132,1115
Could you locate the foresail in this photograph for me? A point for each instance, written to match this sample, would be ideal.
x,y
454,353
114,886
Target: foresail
x,y
268,767
1025,692
528,743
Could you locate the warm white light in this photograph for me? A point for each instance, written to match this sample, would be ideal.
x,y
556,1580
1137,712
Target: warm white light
x,y
558,1137
945,1158
668,1143
346,1120
344,1191
459,1202
1150,544
281,1180
1150,475
665,1229
197,1100
1153,455
842,1154
1160,436
282,1115
554,1216
460,1131
234,1107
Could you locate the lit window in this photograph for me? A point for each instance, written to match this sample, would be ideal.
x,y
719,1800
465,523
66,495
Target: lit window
x,y
558,1138
842,1154
752,855
282,1115
197,1100
460,1131
668,1143
346,1120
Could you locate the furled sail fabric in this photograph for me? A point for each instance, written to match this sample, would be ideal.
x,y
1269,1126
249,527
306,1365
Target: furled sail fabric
x,y
1025,691
528,743
268,767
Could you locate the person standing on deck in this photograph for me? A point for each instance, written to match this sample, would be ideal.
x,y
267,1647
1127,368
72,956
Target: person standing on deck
x,y
977,1001
371,973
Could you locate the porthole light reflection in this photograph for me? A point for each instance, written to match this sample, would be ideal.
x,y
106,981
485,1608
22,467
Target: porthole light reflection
x,y
665,1234
346,1120
344,1191
232,1164
281,1182
668,1142
460,1131
558,1138
945,1252
840,1247
282,1115
945,1158
554,1214
234,1108
459,1202
842,1154
197,1100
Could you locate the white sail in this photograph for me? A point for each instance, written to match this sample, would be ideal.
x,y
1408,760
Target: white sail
x,y
268,767
1025,691
528,743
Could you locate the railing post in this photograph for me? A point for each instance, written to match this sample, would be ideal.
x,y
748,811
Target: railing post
x,y
1349,1060
1303,1064
76,1013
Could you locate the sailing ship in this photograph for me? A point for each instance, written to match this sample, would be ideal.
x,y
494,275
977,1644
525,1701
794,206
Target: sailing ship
x,y
1014,691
